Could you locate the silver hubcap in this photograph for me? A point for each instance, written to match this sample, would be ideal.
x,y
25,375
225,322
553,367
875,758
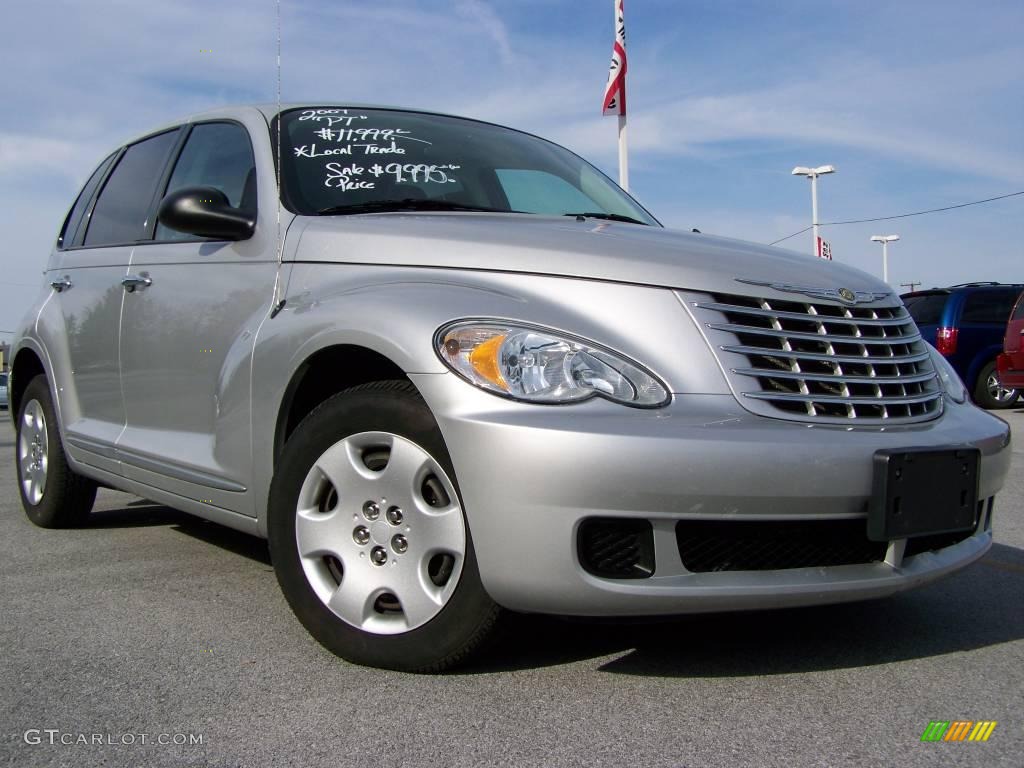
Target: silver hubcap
x,y
33,460
380,533
999,393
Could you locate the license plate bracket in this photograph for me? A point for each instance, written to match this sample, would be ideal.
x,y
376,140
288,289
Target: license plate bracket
x,y
923,491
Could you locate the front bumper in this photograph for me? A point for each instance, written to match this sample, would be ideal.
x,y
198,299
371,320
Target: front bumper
x,y
529,475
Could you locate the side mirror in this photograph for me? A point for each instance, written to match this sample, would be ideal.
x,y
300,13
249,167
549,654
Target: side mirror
x,y
206,212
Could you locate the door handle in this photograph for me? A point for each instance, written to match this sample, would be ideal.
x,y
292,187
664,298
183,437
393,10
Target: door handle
x,y
133,283
61,285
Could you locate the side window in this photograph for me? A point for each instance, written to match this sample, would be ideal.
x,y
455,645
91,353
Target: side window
x,y
215,155
541,192
73,222
120,212
988,307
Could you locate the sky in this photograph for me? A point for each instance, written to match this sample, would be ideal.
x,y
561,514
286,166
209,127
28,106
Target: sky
x,y
918,105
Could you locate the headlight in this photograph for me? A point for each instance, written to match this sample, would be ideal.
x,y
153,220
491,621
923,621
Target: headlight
x,y
542,366
948,376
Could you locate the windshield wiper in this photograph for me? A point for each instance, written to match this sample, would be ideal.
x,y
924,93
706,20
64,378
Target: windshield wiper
x,y
407,204
608,217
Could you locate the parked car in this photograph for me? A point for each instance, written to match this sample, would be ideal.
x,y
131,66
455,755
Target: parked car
x,y
3,390
466,373
1010,363
966,324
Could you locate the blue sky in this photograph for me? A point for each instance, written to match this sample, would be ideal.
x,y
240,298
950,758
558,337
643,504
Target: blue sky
x,y
917,104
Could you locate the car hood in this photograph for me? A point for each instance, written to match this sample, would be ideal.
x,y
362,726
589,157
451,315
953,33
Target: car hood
x,y
590,249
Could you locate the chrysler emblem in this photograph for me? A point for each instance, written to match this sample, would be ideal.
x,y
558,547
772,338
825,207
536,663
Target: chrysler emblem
x,y
844,295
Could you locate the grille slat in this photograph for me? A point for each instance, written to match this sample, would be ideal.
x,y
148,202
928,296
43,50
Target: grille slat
x,y
747,350
828,319
820,336
898,400
821,362
839,377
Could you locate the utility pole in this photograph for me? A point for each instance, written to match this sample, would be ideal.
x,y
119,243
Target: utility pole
x,y
912,286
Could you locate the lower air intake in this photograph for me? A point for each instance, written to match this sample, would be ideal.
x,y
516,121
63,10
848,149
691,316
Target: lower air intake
x,y
742,545
615,548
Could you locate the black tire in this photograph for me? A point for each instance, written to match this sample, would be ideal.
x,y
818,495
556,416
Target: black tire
x,y
67,497
469,615
983,394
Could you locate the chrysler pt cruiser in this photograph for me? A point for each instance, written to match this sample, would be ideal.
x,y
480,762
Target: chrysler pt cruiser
x,y
449,369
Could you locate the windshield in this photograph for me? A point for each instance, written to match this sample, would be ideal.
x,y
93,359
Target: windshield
x,y
338,160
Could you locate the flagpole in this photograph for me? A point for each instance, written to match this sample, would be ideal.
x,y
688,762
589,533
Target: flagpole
x,y
623,155
615,91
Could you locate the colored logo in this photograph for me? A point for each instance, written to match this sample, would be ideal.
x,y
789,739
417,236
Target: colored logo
x,y
958,730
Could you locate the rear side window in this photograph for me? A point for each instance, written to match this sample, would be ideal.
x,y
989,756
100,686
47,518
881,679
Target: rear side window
x,y
926,309
215,155
988,307
123,205
74,220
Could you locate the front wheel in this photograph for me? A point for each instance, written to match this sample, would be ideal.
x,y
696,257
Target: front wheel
x,y
368,536
52,494
989,393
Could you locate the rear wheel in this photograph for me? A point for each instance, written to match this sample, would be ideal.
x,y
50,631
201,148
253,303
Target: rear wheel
x,y
52,494
989,393
368,536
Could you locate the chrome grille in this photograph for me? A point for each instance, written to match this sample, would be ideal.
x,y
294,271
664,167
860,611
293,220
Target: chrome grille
x,y
821,362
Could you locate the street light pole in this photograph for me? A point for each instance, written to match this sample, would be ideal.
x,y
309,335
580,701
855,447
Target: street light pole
x,y
813,174
885,240
814,213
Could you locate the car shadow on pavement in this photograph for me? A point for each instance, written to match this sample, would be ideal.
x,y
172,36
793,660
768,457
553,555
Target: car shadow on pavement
x,y
138,514
143,513
975,608
221,536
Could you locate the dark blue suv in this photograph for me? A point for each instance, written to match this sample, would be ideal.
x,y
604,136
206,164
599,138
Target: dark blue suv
x,y
966,324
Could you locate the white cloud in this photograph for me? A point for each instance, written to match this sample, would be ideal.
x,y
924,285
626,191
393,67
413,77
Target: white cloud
x,y
485,16
21,153
926,113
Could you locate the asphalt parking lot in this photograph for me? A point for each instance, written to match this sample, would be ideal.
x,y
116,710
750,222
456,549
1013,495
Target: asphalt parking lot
x,y
152,625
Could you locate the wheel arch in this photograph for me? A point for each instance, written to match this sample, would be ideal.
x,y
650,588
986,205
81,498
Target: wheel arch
x,y
981,359
26,366
324,373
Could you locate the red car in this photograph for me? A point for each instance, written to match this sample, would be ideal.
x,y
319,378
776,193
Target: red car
x,y
1010,363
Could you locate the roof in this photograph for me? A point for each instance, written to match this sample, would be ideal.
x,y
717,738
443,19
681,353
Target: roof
x,y
269,111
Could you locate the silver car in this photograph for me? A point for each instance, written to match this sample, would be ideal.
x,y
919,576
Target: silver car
x,y
450,369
